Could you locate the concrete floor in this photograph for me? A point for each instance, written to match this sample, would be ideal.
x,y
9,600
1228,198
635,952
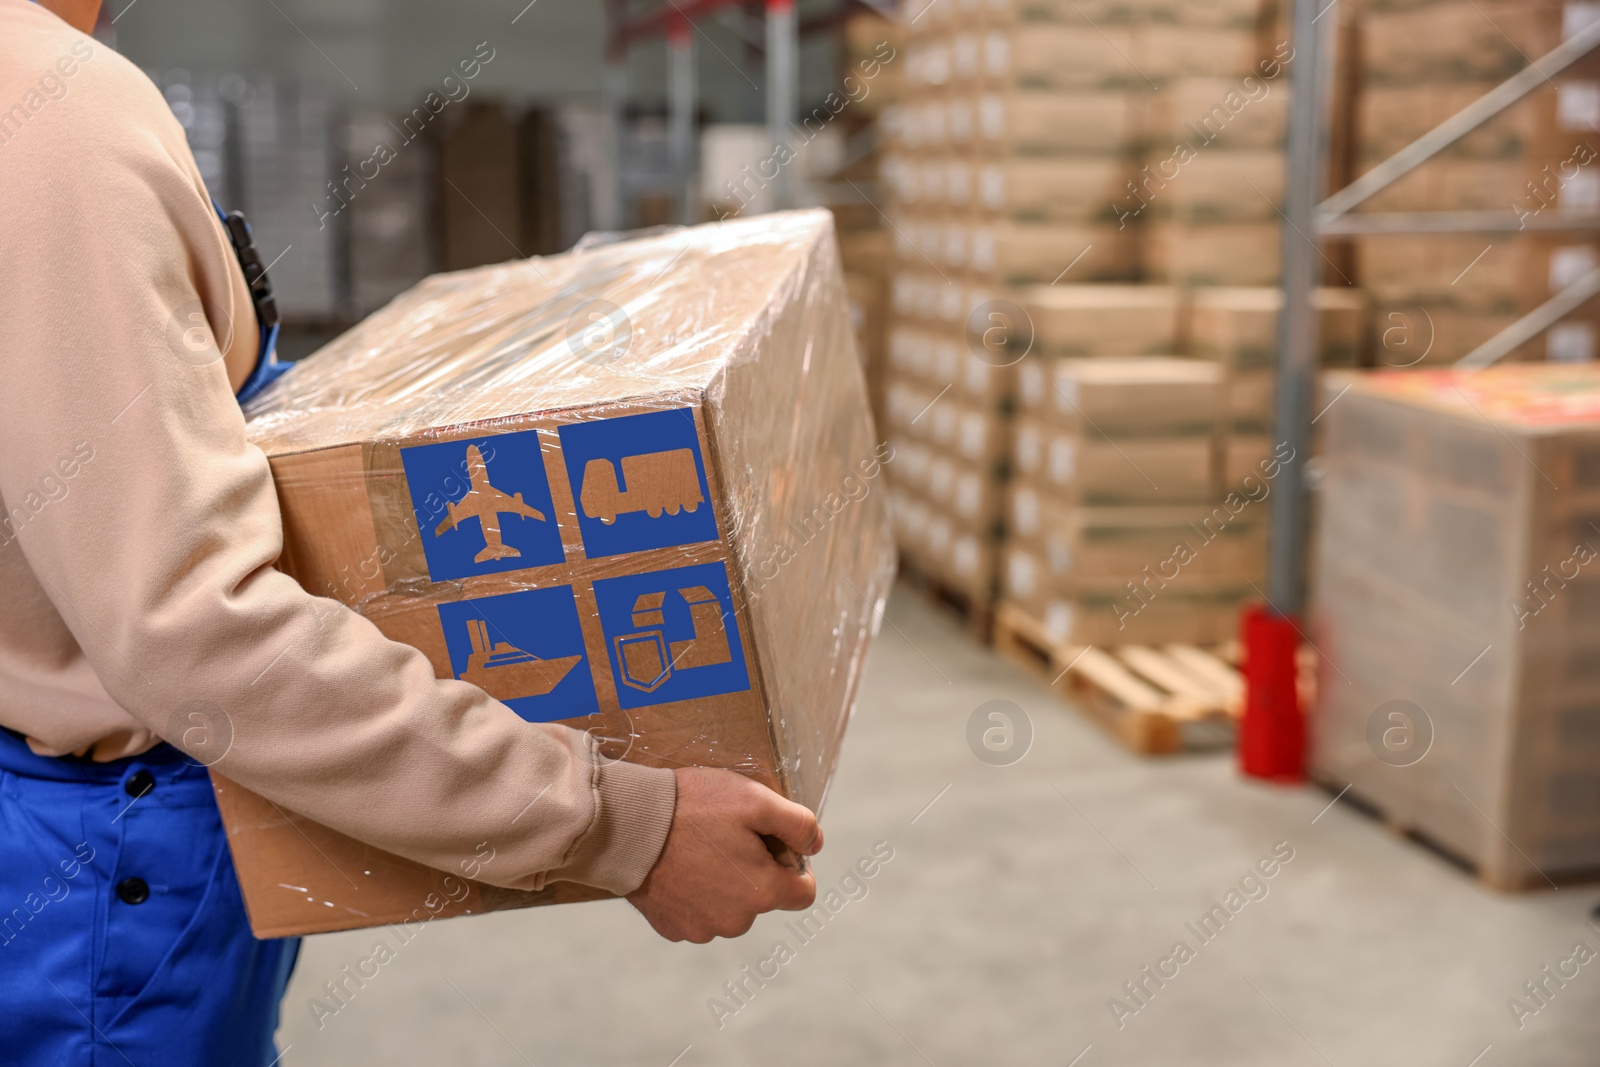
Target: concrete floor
x,y
1018,901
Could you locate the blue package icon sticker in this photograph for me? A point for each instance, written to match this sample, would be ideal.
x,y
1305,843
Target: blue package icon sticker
x,y
672,635
525,649
639,482
483,505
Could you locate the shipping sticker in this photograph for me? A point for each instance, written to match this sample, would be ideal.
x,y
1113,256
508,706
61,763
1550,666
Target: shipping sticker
x,y
483,505
672,635
639,482
525,649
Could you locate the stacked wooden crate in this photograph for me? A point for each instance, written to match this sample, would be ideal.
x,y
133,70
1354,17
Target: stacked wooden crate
x,y
1438,296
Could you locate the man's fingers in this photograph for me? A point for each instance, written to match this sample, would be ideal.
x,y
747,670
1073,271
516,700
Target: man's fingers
x,y
791,823
794,890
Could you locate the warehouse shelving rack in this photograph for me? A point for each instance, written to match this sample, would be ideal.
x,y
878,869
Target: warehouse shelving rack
x,y
1308,217
629,23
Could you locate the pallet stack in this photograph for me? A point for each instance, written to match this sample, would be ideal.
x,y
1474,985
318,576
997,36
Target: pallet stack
x,y
871,70
1236,328
1117,531
1438,296
1459,608
1016,132
1211,178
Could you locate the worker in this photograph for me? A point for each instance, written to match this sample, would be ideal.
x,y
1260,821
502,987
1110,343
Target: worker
x,y
144,619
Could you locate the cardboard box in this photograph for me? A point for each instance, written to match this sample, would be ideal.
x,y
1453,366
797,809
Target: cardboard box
x,y
914,408
1237,14
1456,575
1464,40
1087,469
1150,612
982,437
1243,457
977,497
1091,469
1099,548
1517,272
1105,320
964,558
1135,396
1211,186
1250,398
1565,181
1053,56
1170,50
1054,189
985,380
1012,253
657,524
1238,327
1549,121
1074,13
1420,335
1038,122
1221,253
1220,113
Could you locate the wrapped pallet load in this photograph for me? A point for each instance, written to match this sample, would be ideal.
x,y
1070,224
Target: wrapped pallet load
x,y
1459,611
633,488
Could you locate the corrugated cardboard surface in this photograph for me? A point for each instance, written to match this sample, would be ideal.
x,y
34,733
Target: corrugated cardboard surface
x,y
634,488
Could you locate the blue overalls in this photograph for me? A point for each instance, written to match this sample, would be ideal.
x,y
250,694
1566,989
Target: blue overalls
x,y
123,936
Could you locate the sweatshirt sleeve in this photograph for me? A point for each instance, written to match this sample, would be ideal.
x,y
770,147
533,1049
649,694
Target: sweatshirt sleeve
x,y
115,284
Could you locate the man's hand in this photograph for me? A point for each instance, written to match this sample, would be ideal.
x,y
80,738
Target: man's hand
x,y
715,873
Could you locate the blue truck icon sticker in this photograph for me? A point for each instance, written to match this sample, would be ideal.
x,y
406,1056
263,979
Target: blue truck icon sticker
x,y
639,481
659,482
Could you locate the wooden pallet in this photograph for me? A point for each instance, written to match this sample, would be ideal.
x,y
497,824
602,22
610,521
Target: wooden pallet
x,y
1175,698
1520,880
975,613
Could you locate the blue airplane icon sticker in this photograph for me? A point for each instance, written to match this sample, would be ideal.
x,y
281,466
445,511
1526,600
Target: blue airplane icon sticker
x,y
482,505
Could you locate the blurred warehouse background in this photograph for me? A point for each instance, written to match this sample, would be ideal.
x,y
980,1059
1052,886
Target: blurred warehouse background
x,y
1062,229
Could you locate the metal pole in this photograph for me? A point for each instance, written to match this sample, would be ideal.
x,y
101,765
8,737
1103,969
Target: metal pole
x,y
680,117
783,90
1297,325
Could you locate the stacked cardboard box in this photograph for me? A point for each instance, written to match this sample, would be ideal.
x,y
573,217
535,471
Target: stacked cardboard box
x,y
1460,611
1236,328
872,74
1439,296
1119,532
1015,133
1212,179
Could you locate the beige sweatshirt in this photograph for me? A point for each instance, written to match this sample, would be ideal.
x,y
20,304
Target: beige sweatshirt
x,y
140,529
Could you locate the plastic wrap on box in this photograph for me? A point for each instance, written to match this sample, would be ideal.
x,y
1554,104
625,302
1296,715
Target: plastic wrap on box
x,y
1458,571
634,488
